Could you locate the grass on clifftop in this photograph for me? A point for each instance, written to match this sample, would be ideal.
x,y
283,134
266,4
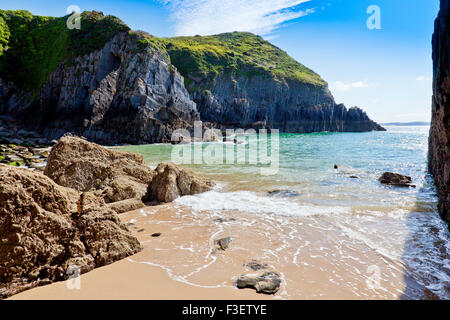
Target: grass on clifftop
x,y
238,52
31,47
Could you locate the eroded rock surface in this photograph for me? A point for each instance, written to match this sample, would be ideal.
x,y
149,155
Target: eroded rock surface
x,y
172,181
267,282
439,144
119,178
122,93
395,179
42,236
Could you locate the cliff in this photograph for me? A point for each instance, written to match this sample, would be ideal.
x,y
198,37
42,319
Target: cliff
x,y
113,85
238,79
439,143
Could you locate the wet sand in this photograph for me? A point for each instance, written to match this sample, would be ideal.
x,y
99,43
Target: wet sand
x,y
183,262
129,279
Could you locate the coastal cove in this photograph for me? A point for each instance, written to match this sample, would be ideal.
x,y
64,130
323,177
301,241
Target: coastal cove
x,y
140,160
330,235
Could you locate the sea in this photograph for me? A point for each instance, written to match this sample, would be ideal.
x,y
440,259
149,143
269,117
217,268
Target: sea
x,y
330,233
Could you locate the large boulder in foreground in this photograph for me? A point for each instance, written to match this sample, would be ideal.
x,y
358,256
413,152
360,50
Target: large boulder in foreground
x,y
42,236
172,181
120,178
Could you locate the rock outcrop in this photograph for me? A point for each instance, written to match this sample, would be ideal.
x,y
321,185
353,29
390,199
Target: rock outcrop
x,y
240,80
43,238
439,144
172,181
263,102
120,179
395,179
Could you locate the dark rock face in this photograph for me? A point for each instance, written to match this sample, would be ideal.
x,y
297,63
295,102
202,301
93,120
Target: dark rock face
x,y
439,143
126,94
120,94
395,179
264,102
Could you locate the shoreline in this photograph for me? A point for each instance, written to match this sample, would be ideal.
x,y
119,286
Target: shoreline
x,y
181,265
134,279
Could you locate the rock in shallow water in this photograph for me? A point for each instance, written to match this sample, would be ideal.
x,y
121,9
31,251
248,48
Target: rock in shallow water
x,y
42,236
284,193
395,179
256,265
222,244
267,282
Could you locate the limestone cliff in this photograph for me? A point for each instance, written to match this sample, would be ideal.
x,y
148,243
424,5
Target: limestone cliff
x,y
439,147
124,92
112,85
238,79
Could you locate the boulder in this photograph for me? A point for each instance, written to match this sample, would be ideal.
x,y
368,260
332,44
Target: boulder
x,y
43,234
113,175
172,181
267,282
395,179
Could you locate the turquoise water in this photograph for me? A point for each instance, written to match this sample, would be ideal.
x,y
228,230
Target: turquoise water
x,y
353,219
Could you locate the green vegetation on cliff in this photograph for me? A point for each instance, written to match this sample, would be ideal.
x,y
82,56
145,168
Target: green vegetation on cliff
x,y
31,47
241,53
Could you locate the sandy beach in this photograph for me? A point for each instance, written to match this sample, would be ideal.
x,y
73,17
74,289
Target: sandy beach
x,y
133,279
183,263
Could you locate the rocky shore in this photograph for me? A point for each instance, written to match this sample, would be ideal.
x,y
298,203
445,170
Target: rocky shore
x,y
20,147
64,219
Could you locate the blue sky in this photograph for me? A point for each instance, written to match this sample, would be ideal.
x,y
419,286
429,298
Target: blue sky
x,y
387,71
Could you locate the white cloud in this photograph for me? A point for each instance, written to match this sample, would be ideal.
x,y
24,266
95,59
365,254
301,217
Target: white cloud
x,y
205,17
421,78
341,86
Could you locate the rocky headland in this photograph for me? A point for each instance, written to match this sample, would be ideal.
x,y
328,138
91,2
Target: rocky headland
x,y
439,142
113,85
